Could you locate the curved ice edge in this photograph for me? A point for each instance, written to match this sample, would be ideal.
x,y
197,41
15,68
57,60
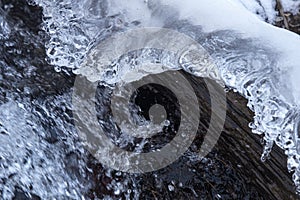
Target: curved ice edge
x,y
280,127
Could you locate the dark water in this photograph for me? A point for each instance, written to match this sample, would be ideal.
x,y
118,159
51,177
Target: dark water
x,y
42,157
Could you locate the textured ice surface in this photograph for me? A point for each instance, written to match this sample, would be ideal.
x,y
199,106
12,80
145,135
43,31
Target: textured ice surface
x,y
259,61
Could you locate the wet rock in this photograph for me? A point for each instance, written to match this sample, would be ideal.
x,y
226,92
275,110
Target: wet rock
x,y
233,170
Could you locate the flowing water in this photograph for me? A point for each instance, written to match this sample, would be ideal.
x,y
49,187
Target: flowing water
x,y
41,152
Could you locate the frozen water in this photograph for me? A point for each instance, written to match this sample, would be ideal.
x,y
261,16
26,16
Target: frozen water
x,y
259,61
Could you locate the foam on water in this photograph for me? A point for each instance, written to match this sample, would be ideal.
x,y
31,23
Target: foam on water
x,y
256,59
41,154
29,162
4,28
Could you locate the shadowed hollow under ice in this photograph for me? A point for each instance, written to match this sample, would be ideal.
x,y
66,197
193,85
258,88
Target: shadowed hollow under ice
x,y
257,60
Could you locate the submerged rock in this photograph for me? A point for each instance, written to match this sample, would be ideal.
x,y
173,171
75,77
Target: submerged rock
x,y
42,156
